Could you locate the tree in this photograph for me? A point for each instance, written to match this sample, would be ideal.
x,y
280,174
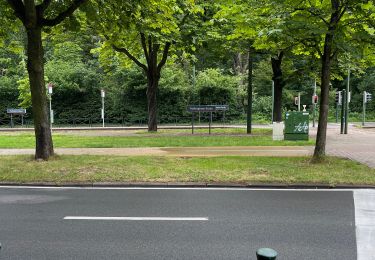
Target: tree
x,y
255,25
35,15
335,28
144,32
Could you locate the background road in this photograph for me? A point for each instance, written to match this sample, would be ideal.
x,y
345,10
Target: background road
x,y
298,224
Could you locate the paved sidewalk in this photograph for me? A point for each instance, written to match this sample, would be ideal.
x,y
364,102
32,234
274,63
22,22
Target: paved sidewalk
x,y
357,145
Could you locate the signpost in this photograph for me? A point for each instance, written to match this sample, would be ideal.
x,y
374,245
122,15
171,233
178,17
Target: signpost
x,y
343,105
205,109
347,99
273,100
338,99
15,111
297,101
50,91
314,102
366,98
102,93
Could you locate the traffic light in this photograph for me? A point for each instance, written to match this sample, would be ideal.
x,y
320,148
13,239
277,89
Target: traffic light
x,y
339,97
296,101
368,97
315,99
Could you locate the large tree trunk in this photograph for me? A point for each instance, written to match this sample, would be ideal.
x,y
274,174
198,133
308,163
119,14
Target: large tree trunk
x,y
35,68
321,136
278,87
153,83
326,59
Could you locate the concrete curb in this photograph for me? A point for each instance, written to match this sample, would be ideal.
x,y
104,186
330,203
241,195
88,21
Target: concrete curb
x,y
187,185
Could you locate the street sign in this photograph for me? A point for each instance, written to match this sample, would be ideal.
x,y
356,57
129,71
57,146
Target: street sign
x,y
367,97
50,88
16,111
339,97
207,108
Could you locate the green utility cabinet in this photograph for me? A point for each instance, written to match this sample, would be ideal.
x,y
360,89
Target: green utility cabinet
x,y
296,126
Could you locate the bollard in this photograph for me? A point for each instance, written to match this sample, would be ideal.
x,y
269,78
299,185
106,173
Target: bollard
x,y
266,254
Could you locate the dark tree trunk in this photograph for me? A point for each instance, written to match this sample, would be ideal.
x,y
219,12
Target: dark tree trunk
x,y
250,91
321,136
326,59
278,87
152,88
35,68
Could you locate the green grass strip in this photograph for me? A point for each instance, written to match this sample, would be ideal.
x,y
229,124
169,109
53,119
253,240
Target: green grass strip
x,y
244,170
142,140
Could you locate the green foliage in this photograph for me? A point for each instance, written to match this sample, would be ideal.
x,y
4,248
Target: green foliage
x,y
24,93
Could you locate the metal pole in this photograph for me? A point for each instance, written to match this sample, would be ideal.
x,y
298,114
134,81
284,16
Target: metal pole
x,y
343,104
337,112
50,111
50,91
209,127
103,111
364,109
299,101
314,105
273,100
250,92
347,103
192,123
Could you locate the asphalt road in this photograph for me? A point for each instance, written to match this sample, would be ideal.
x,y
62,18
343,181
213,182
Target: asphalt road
x,y
231,224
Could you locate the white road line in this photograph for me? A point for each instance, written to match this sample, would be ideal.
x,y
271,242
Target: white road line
x,y
364,202
171,188
135,218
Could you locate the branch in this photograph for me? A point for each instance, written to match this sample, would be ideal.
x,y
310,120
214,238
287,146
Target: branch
x,y
143,41
281,55
18,8
150,45
59,18
44,5
128,54
342,12
165,56
313,13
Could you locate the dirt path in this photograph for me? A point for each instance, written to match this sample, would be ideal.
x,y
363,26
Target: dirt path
x,y
281,151
358,145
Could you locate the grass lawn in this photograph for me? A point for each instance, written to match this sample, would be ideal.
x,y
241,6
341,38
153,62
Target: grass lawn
x,y
244,170
164,138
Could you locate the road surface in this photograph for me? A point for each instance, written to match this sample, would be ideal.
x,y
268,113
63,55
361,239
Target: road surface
x,y
191,223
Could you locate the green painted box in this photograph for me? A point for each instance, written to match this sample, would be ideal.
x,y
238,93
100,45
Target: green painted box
x,y
296,126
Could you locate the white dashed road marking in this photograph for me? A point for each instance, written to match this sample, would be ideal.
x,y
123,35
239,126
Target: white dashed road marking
x,y
135,218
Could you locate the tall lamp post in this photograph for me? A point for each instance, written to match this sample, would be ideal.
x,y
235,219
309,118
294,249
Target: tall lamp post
x,y
103,96
50,91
